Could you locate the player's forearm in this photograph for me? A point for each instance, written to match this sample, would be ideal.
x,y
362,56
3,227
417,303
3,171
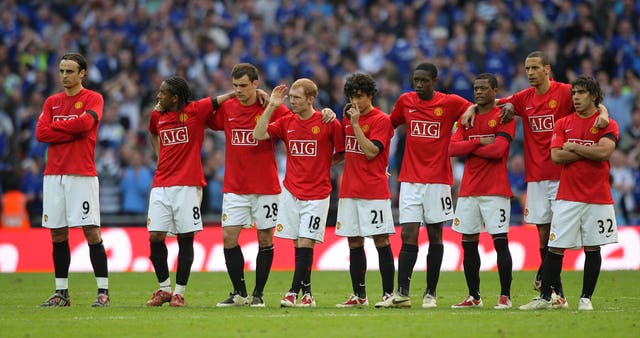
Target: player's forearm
x,y
369,149
495,150
260,131
463,148
595,152
79,125
559,156
45,134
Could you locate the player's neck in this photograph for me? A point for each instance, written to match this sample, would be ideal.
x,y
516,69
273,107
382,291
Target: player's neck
x,y
543,88
588,112
483,109
72,91
249,102
306,113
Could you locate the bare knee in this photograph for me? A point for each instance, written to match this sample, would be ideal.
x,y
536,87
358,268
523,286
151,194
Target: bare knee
x,y
92,234
265,237
230,236
410,233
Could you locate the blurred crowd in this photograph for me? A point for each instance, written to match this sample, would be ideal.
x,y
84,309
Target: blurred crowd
x,y
132,45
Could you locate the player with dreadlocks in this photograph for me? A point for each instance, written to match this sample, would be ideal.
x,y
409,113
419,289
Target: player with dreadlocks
x,y
177,129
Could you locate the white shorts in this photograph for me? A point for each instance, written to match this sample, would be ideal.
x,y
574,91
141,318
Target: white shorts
x,y
175,210
541,199
70,201
425,203
364,217
577,224
474,212
248,209
300,218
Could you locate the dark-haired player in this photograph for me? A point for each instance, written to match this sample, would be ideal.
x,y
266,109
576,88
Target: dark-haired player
x,y
364,209
484,201
69,123
426,178
176,130
584,215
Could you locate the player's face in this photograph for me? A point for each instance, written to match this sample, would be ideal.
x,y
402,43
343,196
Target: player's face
x,y
583,102
362,101
537,73
298,100
423,84
166,99
483,92
70,74
245,89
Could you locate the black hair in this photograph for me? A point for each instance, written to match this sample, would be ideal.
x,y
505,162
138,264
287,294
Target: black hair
x,y
590,85
77,58
359,82
493,82
178,86
429,68
543,57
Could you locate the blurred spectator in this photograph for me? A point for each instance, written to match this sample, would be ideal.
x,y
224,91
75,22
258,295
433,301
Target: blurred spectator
x,y
622,183
135,183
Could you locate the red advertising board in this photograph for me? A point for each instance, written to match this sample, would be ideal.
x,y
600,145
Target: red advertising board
x,y
128,250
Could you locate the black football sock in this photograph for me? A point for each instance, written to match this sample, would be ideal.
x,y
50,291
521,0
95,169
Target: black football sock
x,y
505,264
61,259
551,269
434,261
303,256
235,267
357,269
471,264
592,263
387,268
264,260
185,259
406,262
306,281
98,257
158,258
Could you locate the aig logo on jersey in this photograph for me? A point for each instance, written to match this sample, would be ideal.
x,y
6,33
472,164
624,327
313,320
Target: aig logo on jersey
x,y
64,117
425,129
587,143
303,147
351,145
243,137
541,124
174,136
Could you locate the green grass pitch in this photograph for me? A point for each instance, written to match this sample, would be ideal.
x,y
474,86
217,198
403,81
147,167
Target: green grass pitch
x,y
616,302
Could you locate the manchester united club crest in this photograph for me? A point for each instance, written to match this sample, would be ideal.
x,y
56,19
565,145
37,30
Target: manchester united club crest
x,y
552,236
553,104
365,128
315,130
492,123
526,212
78,105
438,111
183,117
456,221
279,227
46,218
593,130
148,221
338,225
224,216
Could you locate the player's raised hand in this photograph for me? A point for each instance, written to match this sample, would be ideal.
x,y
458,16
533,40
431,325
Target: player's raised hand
x,y
354,114
278,95
508,112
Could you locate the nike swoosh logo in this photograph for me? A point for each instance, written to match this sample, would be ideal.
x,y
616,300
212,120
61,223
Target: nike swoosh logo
x,y
500,226
230,119
162,122
448,212
85,217
55,107
412,110
395,301
290,131
568,130
527,108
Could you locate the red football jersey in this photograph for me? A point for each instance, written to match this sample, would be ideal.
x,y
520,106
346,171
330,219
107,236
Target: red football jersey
x,y
71,138
538,113
310,146
180,140
585,180
363,178
486,176
429,127
250,165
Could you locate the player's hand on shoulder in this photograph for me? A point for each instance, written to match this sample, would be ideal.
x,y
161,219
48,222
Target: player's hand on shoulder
x,y
328,115
263,97
508,112
469,116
